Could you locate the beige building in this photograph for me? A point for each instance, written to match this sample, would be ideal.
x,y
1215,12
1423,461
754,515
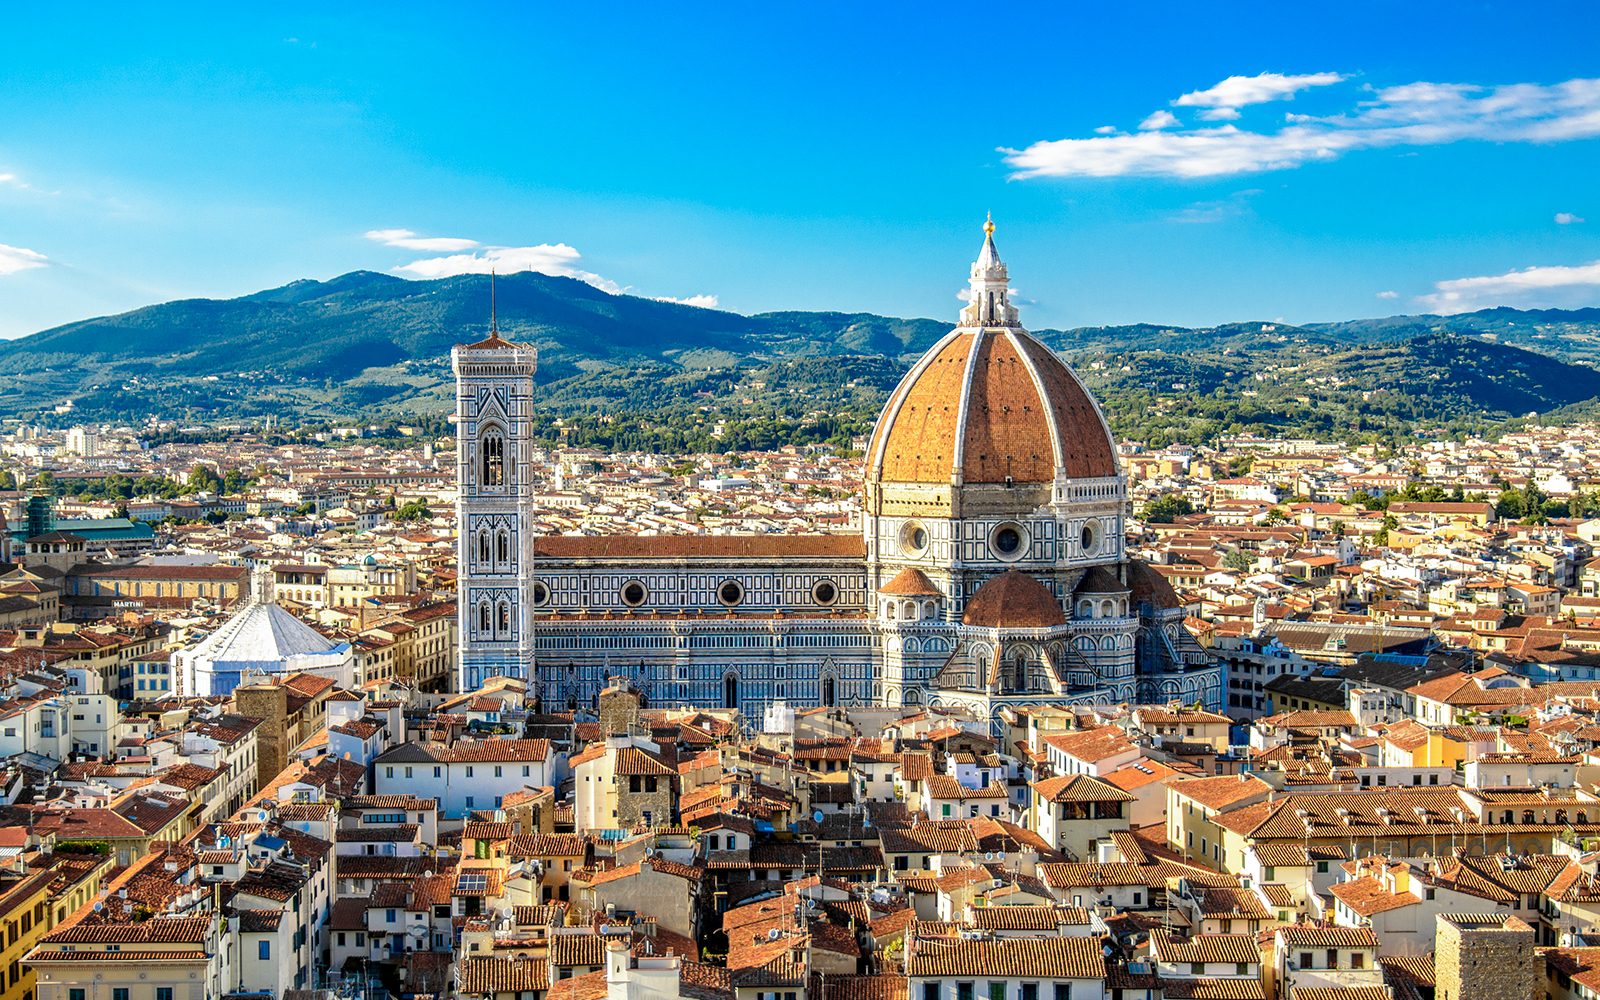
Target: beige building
x,y
621,783
161,958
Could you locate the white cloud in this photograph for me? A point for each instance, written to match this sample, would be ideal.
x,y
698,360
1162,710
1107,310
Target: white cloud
x,y
702,301
1388,295
1106,129
1566,219
409,240
1161,119
14,259
1533,287
1418,114
558,261
1238,91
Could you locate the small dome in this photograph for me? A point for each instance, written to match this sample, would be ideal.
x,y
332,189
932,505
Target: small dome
x,y
911,582
370,561
1150,587
1014,600
1100,580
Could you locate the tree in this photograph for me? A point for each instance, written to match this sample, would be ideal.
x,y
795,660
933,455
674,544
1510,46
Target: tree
x,y
1509,506
1276,516
201,478
1167,508
1239,465
234,481
1338,529
7,480
413,511
1236,559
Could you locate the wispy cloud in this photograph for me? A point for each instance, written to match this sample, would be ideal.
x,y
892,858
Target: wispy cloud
x,y
1222,102
1533,287
1566,219
1417,114
1388,295
1161,119
406,238
701,301
1231,207
14,259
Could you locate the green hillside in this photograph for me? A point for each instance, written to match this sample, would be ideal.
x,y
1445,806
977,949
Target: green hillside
x,y
376,346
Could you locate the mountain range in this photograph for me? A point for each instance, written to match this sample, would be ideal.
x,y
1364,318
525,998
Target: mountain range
x,y
366,342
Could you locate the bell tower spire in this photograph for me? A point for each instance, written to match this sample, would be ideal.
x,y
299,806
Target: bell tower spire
x,y
989,302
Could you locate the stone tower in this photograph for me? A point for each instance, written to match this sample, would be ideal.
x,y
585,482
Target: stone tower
x,y
494,405
1486,956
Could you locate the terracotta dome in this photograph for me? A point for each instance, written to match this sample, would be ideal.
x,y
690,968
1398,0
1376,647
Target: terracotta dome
x,y
1014,600
1150,587
990,403
911,582
1100,580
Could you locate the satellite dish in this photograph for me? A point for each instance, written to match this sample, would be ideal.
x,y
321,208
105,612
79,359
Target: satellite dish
x,y
817,815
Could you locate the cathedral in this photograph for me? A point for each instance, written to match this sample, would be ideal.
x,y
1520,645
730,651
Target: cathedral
x,y
990,569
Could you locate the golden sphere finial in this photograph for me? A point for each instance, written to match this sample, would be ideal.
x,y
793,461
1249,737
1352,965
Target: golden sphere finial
x,y
988,225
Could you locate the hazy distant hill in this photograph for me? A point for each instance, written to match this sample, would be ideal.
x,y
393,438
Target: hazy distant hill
x,y
373,343
336,329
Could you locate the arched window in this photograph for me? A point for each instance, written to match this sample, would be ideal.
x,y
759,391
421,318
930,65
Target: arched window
x,y
927,609
505,618
1506,818
1105,609
1124,605
1561,815
1583,818
730,692
1021,669
1527,816
1085,609
827,691
493,448
908,610
502,543
485,619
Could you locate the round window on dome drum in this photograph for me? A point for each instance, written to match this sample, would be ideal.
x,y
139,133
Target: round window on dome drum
x,y
541,593
825,592
634,593
913,538
1008,541
1090,537
730,593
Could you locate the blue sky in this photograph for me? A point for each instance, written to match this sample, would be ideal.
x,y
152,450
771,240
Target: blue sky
x,y
1298,161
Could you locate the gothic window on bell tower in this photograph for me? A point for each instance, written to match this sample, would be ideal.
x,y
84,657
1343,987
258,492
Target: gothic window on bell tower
x,y
502,543
493,448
